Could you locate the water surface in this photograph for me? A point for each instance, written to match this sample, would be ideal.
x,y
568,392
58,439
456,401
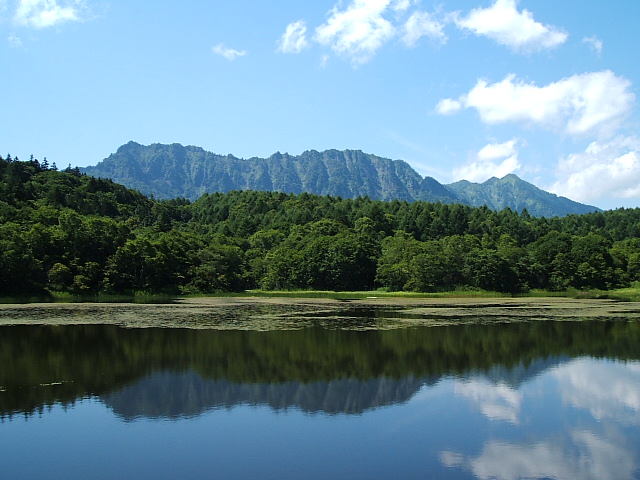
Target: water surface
x,y
536,399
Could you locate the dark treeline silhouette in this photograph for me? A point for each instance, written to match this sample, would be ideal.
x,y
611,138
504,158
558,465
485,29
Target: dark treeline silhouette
x,y
66,231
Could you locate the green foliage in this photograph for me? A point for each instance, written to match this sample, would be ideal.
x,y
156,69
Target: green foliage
x,y
64,231
60,277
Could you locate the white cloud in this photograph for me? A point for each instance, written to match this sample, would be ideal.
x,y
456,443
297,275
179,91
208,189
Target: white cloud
x,y
358,31
422,24
294,39
586,103
228,53
595,43
494,151
604,169
517,30
46,13
401,5
448,106
493,160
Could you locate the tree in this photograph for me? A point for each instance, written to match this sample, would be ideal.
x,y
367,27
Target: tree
x,y
218,268
128,270
551,265
20,272
595,266
60,277
486,269
89,279
430,269
394,265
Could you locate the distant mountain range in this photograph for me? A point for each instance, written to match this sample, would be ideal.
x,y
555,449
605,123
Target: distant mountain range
x,y
171,171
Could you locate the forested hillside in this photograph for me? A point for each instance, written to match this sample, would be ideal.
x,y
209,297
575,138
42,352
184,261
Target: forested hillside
x,y
66,231
170,171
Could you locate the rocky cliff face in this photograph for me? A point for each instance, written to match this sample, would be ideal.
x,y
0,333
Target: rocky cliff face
x,y
171,171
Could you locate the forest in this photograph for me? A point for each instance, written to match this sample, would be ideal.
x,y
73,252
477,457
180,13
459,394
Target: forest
x,y
65,231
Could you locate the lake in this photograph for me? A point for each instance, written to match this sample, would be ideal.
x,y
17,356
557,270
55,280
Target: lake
x,y
268,389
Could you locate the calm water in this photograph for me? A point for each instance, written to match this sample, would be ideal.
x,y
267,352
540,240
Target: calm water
x,y
557,400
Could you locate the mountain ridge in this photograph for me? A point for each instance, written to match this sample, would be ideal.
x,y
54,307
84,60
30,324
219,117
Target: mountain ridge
x,y
171,171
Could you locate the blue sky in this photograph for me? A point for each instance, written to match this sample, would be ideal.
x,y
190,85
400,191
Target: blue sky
x,y
459,89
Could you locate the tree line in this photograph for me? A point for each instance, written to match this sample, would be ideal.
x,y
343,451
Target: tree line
x,y
61,230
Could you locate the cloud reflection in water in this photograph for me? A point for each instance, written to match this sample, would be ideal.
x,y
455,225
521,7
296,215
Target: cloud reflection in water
x,y
497,402
606,389
593,446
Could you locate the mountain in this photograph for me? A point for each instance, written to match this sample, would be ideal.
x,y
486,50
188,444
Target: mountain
x,y
513,192
170,171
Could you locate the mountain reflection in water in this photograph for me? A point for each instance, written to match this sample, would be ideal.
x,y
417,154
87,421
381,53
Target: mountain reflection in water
x,y
174,395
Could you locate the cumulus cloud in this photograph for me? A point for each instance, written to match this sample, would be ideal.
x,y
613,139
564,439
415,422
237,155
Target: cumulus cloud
x,y
603,169
422,24
493,160
580,104
494,151
294,38
228,53
358,31
448,106
515,29
47,13
401,5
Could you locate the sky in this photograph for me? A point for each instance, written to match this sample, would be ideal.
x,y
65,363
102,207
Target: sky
x,y
459,89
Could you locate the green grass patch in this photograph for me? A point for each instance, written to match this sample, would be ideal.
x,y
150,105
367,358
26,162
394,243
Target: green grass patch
x,y
373,294
622,294
630,294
